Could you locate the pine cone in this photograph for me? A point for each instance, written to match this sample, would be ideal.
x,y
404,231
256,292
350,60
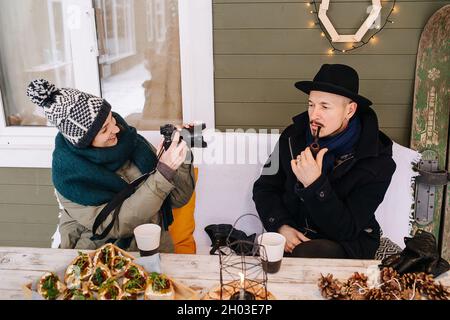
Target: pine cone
x,y
357,277
387,274
435,291
357,287
332,288
375,294
409,280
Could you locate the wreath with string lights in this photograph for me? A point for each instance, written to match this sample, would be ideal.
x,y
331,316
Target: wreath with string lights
x,y
330,33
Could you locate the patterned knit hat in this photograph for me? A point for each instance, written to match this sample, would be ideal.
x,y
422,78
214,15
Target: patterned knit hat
x,y
79,116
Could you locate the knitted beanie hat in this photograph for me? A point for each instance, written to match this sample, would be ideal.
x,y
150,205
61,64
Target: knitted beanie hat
x,y
79,116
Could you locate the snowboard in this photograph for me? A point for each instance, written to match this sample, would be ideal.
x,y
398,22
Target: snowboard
x,y
445,251
430,120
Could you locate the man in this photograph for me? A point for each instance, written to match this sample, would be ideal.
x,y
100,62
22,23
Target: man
x,y
325,205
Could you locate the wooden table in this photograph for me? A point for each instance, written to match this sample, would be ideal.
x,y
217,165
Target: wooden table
x,y
297,278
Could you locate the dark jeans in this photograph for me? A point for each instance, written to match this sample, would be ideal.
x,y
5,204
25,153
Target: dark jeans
x,y
319,248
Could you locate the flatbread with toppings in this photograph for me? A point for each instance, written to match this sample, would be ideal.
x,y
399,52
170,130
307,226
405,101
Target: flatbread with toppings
x,y
79,294
159,288
135,279
109,290
79,270
100,274
119,264
128,296
104,255
133,270
108,273
50,287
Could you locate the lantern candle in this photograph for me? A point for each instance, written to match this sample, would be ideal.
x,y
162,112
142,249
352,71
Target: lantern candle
x,y
242,294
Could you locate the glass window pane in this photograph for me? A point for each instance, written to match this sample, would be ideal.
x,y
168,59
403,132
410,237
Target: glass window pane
x,y
143,84
34,44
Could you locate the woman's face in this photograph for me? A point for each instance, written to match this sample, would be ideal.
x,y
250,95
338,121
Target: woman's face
x,y
330,111
107,136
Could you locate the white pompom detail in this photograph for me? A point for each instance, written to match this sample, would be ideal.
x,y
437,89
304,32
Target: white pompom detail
x,y
40,91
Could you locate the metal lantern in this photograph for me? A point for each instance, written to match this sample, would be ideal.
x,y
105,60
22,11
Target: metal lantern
x,y
242,276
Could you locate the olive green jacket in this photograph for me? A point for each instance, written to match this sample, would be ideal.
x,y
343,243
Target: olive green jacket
x,y
76,221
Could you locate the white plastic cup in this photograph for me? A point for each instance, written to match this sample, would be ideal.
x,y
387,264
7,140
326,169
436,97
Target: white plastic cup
x,y
271,250
148,238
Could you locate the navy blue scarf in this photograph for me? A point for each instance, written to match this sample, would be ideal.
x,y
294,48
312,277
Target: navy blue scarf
x,y
88,176
339,145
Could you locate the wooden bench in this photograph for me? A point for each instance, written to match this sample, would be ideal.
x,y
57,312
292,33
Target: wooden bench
x,y
232,163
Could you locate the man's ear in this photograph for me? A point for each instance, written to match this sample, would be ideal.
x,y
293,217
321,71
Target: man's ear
x,y
352,107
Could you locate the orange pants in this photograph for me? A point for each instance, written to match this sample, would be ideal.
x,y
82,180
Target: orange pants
x,y
183,226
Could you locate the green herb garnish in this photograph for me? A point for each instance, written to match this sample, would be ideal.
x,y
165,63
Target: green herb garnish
x,y
98,277
120,264
105,253
159,282
136,283
132,272
50,286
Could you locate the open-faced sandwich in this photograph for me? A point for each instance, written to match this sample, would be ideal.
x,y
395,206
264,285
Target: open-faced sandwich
x,y
79,294
79,270
119,264
109,290
99,275
128,296
159,288
135,279
104,255
50,287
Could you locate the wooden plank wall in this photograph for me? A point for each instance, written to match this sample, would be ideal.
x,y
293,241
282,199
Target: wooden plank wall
x,y
261,47
28,208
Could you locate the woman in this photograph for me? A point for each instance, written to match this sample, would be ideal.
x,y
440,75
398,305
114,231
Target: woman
x,y
96,156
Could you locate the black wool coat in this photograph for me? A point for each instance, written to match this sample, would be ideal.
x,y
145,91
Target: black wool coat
x,y
339,206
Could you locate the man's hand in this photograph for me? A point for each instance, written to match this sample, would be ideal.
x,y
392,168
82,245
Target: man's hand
x,y
306,168
293,237
176,154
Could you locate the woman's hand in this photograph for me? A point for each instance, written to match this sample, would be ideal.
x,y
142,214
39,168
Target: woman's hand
x,y
306,168
293,237
176,154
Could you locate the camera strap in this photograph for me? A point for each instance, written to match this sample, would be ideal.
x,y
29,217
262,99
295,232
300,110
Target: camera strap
x,y
115,204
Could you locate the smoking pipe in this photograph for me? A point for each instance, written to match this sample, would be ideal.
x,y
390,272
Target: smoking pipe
x,y
315,147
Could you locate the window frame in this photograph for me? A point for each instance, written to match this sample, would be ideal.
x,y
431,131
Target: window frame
x,y
130,29
32,147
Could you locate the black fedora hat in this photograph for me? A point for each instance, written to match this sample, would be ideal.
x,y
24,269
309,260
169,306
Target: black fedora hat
x,y
338,79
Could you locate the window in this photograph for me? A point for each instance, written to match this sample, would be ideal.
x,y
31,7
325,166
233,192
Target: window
x,y
156,20
118,29
58,40
34,43
145,88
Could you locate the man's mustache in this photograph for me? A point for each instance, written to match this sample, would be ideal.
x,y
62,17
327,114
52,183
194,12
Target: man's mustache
x,y
316,123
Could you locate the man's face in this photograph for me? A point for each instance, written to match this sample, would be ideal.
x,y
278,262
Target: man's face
x,y
107,136
330,111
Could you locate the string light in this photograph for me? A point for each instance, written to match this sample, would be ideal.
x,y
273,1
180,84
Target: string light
x,y
362,43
